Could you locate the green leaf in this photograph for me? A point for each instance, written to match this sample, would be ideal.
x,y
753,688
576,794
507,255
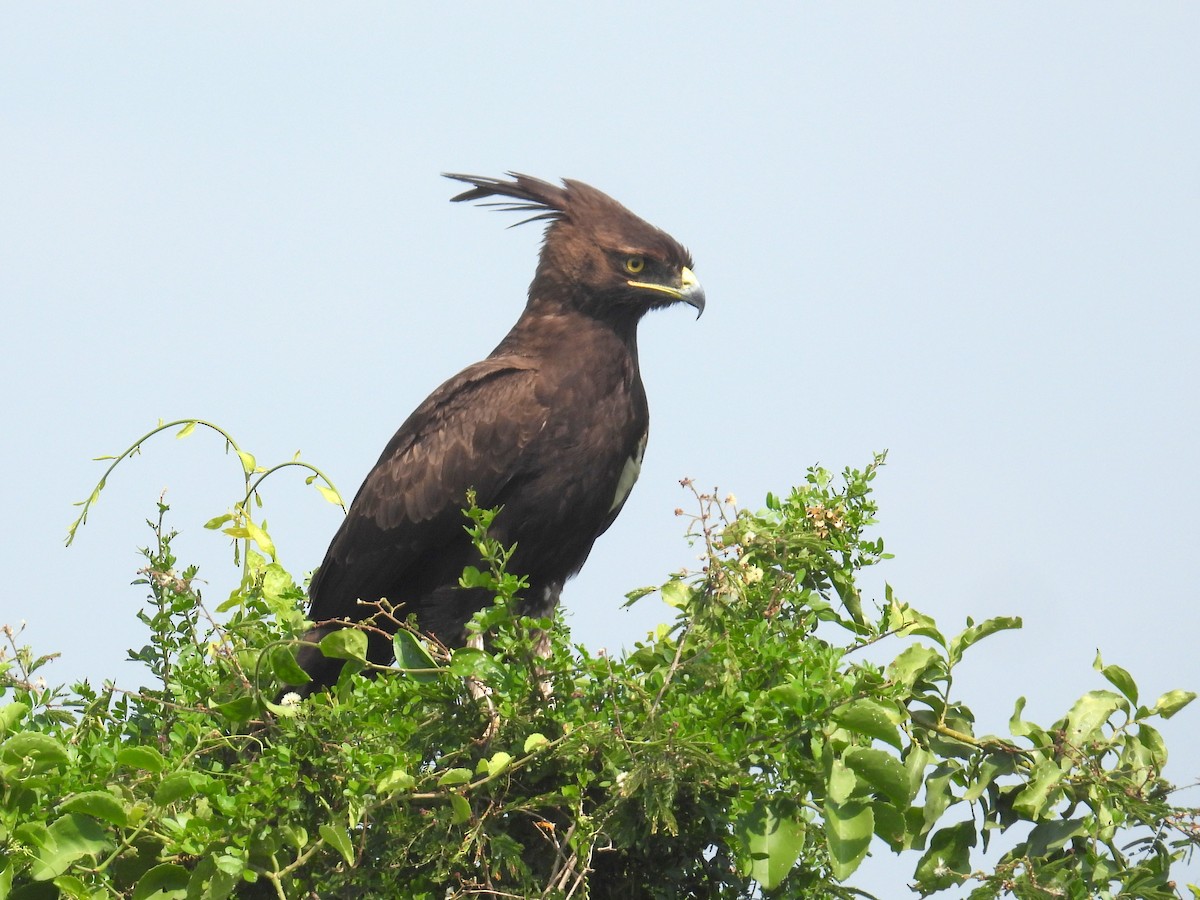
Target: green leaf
x,y
210,882
848,830
1016,724
460,808
455,776
677,594
295,835
884,773
1048,836
947,862
939,794
178,786
1034,798
239,709
348,643
394,781
1145,749
141,757
890,825
1172,702
907,621
248,462
70,886
913,663
186,430
637,594
535,740
65,841
772,844
98,805
411,655
42,750
842,782
994,766
849,595
1089,714
330,494
1118,678
872,719
284,665
339,839
260,537
471,662
276,581
166,881
498,763
11,714
976,633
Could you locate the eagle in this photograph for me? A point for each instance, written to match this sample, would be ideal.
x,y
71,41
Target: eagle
x,y
550,428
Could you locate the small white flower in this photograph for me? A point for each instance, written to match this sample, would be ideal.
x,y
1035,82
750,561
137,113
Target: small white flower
x,y
291,698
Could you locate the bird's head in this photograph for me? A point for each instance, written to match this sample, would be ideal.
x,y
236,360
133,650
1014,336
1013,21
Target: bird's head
x,y
597,255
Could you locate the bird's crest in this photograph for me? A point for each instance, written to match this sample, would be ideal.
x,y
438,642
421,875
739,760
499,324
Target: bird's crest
x,y
547,200
574,203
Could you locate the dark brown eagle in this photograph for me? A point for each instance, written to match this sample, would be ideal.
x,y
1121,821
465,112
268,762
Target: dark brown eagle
x,y
551,427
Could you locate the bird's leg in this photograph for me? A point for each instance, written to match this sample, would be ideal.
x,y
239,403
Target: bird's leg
x,y
541,647
541,650
480,691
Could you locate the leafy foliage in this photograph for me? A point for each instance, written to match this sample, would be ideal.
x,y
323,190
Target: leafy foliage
x,y
748,747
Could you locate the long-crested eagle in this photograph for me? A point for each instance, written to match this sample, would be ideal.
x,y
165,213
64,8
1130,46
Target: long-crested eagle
x,y
551,427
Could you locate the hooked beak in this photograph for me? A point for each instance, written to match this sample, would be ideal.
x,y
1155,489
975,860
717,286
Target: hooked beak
x,y
689,290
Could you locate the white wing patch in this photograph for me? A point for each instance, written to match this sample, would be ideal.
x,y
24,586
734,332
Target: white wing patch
x,y
629,474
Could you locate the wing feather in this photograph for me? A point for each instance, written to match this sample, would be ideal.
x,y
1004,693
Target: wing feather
x,y
470,433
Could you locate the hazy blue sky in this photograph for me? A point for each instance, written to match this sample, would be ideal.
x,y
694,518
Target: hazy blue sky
x,y
967,233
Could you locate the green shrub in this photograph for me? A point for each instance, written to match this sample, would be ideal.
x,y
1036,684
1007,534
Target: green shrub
x,y
749,748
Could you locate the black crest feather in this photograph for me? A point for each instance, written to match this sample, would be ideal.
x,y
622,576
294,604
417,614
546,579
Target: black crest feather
x,y
549,201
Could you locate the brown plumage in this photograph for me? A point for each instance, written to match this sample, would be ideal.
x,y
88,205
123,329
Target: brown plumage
x,y
551,426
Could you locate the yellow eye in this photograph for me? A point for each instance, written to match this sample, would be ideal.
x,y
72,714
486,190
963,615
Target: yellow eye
x,y
635,264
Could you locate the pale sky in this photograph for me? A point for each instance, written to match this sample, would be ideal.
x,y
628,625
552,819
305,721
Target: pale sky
x,y
968,234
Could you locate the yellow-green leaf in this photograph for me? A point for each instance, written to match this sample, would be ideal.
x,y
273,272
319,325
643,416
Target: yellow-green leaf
x,y
260,537
396,780
535,740
498,763
455,776
339,839
11,714
1172,702
677,594
330,494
